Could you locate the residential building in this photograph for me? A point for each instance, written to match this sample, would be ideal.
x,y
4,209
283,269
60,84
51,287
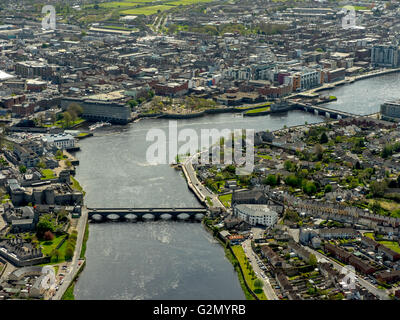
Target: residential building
x,y
60,141
390,110
256,214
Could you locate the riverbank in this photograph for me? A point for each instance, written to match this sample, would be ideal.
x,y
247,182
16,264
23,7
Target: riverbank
x,y
243,109
164,115
235,263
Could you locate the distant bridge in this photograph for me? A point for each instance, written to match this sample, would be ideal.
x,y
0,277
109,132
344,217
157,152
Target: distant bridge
x,y
322,111
146,214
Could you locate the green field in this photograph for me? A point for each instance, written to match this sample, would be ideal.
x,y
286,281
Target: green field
x,y
226,200
259,110
239,253
127,3
116,28
49,245
357,8
48,174
187,2
391,245
147,10
264,156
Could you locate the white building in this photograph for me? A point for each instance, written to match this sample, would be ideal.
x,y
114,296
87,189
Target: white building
x,y
61,141
310,78
256,214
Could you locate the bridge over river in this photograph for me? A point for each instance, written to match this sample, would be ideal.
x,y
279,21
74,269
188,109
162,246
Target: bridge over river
x,y
322,111
146,214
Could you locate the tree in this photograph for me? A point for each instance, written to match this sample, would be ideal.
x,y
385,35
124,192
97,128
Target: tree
x,y
258,284
55,254
67,119
22,169
324,138
59,153
75,108
319,151
312,260
378,188
69,252
310,188
41,165
48,235
68,163
45,224
150,94
271,180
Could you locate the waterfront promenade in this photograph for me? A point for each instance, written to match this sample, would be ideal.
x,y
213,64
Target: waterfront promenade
x,y
76,263
201,192
251,256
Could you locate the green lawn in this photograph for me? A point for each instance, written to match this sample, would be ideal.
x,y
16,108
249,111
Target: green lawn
x,y
187,2
119,28
60,123
238,250
147,10
264,156
357,8
259,110
369,235
69,293
49,245
391,245
226,200
48,174
76,185
83,134
85,238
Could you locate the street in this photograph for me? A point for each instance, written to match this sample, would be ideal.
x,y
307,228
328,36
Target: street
x,y
76,263
251,256
371,288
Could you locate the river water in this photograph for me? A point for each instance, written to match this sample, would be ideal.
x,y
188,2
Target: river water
x,y
172,260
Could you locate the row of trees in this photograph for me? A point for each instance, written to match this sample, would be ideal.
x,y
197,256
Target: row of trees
x,y
72,114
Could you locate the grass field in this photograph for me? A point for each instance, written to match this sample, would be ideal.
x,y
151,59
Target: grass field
x,y
187,2
259,110
76,185
226,200
264,156
238,250
127,3
391,245
357,8
49,245
116,28
147,10
48,174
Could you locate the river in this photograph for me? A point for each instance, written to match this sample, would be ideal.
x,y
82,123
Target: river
x,y
154,260
173,260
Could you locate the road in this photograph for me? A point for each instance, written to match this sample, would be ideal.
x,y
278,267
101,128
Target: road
x,y
268,290
74,265
371,288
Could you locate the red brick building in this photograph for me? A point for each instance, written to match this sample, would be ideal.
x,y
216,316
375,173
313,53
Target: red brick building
x,y
8,102
23,110
172,89
349,258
